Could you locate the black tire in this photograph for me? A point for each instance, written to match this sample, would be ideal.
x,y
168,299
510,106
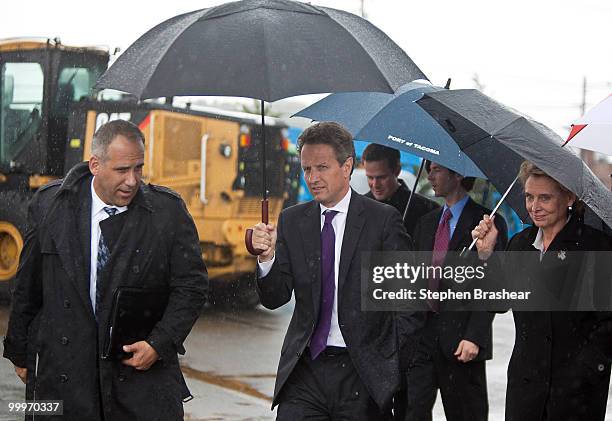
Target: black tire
x,y
13,222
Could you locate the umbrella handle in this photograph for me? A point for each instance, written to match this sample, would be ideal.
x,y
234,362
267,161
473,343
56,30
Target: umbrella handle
x,y
248,235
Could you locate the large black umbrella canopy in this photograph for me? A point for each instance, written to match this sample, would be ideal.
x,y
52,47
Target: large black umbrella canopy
x,y
498,139
264,49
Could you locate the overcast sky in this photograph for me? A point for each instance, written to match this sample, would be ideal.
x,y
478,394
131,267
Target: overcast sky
x,y
529,54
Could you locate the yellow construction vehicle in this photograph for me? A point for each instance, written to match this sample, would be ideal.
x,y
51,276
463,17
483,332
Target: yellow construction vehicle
x,y
48,115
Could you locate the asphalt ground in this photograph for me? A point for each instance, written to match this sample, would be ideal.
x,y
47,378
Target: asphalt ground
x,y
231,362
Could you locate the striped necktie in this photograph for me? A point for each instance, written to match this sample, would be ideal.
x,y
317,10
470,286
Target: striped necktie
x,y
103,256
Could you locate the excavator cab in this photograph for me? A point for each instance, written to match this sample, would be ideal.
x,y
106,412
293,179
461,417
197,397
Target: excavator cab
x,y
39,82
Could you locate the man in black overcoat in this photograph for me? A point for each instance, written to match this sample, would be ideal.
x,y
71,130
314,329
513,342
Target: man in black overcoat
x,y
98,229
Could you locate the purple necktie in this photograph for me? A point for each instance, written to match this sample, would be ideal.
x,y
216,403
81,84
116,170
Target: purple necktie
x,y
439,253
318,342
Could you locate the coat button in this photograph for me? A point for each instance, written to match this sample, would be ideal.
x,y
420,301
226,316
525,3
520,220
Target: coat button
x,y
601,367
299,354
64,340
548,338
121,378
63,378
525,380
135,269
66,303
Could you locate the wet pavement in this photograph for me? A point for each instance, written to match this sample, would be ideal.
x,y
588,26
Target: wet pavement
x,y
231,361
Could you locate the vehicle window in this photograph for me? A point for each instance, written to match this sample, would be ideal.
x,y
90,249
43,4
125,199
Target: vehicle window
x,y
21,96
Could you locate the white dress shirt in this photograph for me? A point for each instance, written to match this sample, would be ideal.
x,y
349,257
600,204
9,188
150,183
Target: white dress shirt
x,y
98,214
338,223
538,242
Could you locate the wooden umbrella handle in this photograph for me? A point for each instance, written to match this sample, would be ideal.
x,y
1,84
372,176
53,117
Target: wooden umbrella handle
x,y
248,235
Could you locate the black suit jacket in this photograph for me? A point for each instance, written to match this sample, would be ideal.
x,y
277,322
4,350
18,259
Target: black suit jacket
x,y
455,326
371,337
419,205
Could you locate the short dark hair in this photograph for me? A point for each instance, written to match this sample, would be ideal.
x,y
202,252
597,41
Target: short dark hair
x,y
375,152
107,132
332,134
467,182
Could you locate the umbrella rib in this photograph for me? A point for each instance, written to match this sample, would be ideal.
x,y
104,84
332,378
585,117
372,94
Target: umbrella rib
x,y
391,89
169,45
492,135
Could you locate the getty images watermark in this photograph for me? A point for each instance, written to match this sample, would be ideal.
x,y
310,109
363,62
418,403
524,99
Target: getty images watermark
x,y
407,281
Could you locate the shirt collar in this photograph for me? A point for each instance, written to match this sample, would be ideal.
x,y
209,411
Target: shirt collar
x,y
97,205
538,243
457,208
342,206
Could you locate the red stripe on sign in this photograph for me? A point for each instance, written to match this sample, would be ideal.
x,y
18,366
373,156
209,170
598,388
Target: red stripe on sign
x,y
144,123
576,128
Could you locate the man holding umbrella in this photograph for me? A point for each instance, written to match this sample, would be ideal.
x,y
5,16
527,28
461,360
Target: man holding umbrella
x,y
337,362
382,168
454,345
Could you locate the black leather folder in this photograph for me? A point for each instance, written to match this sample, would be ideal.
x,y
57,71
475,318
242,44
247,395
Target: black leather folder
x,y
134,314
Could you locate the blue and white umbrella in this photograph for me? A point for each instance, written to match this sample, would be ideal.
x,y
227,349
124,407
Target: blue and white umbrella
x,y
394,120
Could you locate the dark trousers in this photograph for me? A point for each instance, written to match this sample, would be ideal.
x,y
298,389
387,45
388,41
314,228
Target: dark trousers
x,y
327,389
463,387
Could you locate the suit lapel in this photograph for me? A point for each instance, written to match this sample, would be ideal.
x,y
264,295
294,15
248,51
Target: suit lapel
x,y
84,226
65,221
429,231
134,247
352,231
310,230
464,227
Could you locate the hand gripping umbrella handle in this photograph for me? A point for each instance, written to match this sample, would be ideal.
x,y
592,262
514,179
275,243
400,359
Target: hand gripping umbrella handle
x,y
492,215
248,235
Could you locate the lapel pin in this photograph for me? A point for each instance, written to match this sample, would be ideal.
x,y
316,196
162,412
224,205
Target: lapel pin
x,y
561,255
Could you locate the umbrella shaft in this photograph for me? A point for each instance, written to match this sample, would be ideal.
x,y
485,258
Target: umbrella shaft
x,y
414,187
492,213
264,190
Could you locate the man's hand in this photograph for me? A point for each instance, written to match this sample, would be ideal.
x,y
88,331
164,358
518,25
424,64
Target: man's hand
x,y
486,232
22,373
264,238
144,355
466,351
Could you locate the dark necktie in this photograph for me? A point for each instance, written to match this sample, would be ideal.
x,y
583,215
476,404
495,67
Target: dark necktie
x,y
103,256
439,253
318,342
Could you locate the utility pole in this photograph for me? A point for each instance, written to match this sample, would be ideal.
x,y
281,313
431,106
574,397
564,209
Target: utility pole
x,y
587,156
363,15
584,92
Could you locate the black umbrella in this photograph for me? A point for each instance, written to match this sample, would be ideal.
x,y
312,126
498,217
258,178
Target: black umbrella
x,y
498,139
264,49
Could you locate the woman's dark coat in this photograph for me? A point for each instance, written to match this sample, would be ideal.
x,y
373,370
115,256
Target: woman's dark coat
x,y
560,365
